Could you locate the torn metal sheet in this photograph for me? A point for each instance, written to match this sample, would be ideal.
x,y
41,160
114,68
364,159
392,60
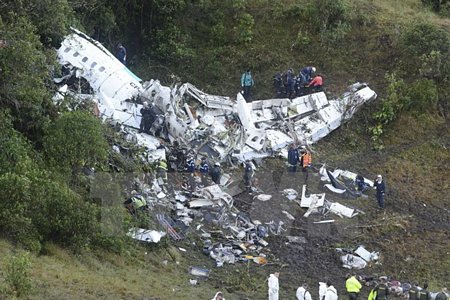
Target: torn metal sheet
x,y
366,255
350,261
342,210
145,235
296,239
314,200
200,203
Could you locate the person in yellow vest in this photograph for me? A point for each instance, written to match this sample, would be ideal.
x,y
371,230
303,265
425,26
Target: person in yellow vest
x,y
135,203
353,286
161,169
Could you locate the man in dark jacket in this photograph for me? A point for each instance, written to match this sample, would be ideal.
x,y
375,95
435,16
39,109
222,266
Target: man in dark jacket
x,y
308,72
381,190
413,292
216,173
121,53
148,117
293,157
443,295
424,294
382,289
248,174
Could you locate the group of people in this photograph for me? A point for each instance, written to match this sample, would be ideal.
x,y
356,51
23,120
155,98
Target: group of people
x,y
289,85
353,286
214,172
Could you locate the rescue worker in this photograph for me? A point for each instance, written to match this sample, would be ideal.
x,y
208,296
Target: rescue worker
x,y
278,85
331,293
161,169
303,293
204,170
424,294
190,164
353,286
293,158
316,84
121,54
247,83
308,72
443,295
361,185
274,286
305,159
135,203
290,84
216,173
381,189
148,117
413,292
248,174
218,296
322,290
382,290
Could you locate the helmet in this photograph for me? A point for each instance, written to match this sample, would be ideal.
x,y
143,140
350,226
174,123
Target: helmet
x,y
145,103
379,176
217,164
314,69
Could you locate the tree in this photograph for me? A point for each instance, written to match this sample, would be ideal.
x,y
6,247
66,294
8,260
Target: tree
x,y
74,140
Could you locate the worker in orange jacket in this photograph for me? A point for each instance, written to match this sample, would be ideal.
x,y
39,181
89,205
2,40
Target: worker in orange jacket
x,y
305,161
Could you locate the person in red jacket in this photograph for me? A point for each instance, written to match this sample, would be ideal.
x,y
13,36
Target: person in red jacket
x,y
316,83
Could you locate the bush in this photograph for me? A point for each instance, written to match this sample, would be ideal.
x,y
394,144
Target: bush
x,y
423,38
17,275
244,30
423,96
74,140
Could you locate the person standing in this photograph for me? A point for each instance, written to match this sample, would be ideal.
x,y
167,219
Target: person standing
x,y
218,296
248,175
247,83
443,295
381,190
216,173
147,118
274,286
121,54
293,158
331,293
322,290
303,293
305,160
353,286
424,294
382,290
204,170
413,292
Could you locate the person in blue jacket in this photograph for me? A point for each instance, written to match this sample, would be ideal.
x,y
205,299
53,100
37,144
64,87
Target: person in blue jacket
x,y
308,72
121,54
247,83
293,158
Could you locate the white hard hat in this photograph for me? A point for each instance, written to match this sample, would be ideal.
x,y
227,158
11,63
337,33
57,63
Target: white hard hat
x,y
217,164
313,69
145,103
379,176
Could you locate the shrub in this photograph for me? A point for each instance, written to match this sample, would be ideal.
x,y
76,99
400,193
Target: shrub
x,y
423,38
74,140
244,29
423,96
17,275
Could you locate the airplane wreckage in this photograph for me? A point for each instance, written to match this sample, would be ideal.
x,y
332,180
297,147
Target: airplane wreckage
x,y
216,126
221,128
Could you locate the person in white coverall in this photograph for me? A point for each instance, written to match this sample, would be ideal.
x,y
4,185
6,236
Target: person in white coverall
x,y
218,296
273,286
303,293
331,293
322,290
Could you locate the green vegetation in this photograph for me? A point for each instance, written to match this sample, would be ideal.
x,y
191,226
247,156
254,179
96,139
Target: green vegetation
x,y
401,48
